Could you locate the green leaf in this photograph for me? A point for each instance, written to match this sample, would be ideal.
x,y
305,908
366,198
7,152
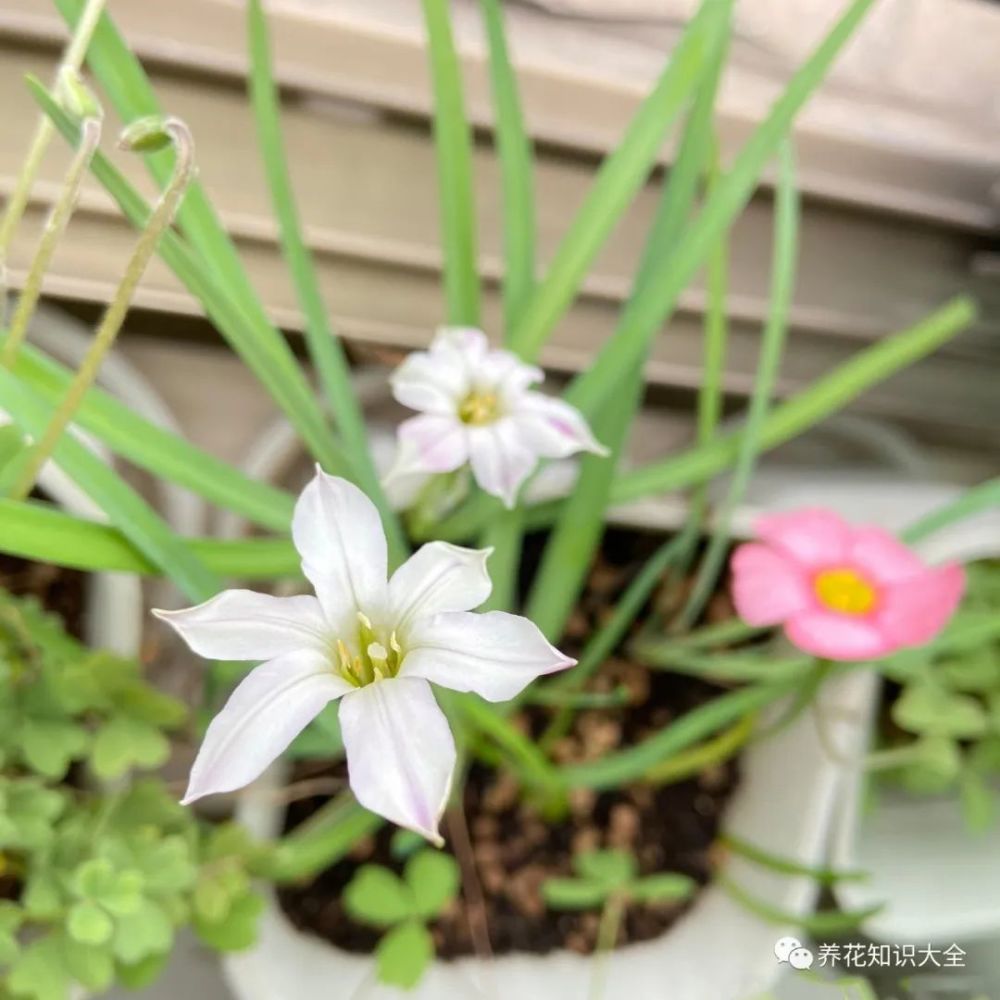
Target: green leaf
x,y
612,868
617,182
516,171
809,407
49,746
453,143
12,443
658,299
89,924
39,531
88,964
157,450
403,955
574,894
146,932
124,743
378,896
935,768
39,972
786,227
406,843
976,671
985,496
433,878
925,708
42,897
324,345
124,507
663,888
979,801
238,930
139,975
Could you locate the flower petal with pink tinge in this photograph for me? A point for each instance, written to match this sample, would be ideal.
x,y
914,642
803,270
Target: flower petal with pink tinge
x,y
837,637
768,587
501,460
269,708
554,429
882,558
915,610
813,537
431,444
400,752
496,654
423,383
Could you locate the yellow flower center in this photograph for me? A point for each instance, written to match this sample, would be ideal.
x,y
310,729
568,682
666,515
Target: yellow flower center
x,y
845,591
375,662
479,407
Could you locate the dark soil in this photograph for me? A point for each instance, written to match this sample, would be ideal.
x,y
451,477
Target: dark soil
x,y
670,828
61,591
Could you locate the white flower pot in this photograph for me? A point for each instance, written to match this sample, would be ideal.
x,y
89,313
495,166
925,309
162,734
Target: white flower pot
x,y
718,949
937,882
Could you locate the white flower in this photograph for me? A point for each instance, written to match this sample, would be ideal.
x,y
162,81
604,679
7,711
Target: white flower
x,y
476,407
374,644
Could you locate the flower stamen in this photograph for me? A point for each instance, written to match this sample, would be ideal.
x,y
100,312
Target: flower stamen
x,y
479,407
845,591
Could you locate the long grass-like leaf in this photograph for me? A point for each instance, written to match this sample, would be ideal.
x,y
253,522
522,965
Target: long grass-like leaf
x,y
123,506
786,227
324,345
727,200
571,547
985,496
620,177
453,141
796,415
157,450
516,171
39,531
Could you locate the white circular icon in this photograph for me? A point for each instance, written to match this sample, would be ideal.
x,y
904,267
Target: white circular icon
x,y
784,947
801,958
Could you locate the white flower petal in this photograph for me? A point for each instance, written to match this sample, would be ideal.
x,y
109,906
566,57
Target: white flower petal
x,y
494,654
553,428
269,708
244,625
508,374
340,538
431,443
429,383
400,752
438,577
465,346
501,459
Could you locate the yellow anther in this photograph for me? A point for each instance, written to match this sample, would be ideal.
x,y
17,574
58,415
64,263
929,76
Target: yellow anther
x,y
845,591
479,408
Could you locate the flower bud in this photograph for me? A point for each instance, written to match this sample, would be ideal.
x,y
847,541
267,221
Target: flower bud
x,y
146,135
76,97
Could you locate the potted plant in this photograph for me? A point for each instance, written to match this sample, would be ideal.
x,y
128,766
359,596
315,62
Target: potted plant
x,y
98,872
573,716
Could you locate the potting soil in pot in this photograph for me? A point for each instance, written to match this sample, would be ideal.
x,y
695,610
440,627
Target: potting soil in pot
x,y
670,828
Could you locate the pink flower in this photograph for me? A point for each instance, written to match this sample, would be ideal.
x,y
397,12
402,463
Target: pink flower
x,y
842,592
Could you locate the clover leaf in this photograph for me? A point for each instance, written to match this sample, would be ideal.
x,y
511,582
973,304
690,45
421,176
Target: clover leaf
x,y
605,876
402,906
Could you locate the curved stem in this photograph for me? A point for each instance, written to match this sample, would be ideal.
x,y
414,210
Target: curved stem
x,y
54,228
159,220
72,60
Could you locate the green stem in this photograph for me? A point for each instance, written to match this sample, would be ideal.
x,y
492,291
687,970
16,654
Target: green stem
x,y
114,316
607,938
72,60
711,753
55,226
